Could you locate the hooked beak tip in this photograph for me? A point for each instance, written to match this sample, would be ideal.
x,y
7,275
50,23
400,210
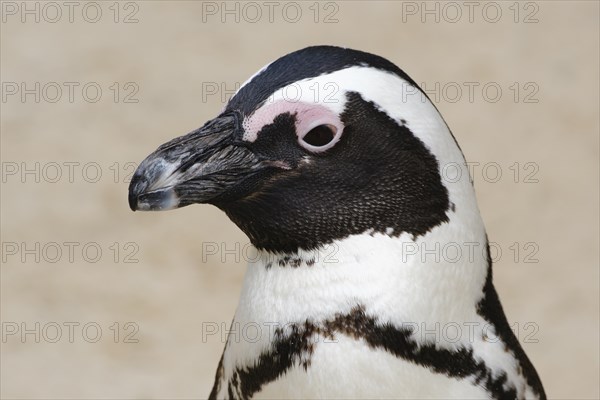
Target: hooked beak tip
x,y
194,168
136,187
132,202
155,200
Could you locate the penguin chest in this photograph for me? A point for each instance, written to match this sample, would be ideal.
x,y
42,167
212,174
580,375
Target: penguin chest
x,y
344,367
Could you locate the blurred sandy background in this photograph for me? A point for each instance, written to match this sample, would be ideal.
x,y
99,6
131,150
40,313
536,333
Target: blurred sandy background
x,y
170,61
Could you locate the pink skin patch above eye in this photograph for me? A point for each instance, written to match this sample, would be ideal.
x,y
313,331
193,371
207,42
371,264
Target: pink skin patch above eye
x,y
308,116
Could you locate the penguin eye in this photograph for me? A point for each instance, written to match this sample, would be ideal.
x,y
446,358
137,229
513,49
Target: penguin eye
x,y
318,137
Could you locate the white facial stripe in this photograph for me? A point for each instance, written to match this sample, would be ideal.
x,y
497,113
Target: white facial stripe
x,y
308,116
392,94
400,101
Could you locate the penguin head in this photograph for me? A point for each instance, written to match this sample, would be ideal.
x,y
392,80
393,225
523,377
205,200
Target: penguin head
x,y
323,143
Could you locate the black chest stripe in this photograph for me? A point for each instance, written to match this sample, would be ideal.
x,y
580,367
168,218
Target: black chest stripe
x,y
490,309
295,348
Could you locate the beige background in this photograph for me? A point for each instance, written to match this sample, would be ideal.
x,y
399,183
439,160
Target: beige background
x,y
171,54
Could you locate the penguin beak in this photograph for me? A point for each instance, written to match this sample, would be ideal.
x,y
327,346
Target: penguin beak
x,y
199,167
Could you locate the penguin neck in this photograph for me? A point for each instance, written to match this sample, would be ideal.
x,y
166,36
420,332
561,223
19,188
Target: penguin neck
x,y
434,278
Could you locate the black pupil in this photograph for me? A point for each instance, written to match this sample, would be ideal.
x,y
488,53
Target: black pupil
x,y
319,136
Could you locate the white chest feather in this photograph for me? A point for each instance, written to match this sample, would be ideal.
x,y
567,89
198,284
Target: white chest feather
x,y
312,301
350,369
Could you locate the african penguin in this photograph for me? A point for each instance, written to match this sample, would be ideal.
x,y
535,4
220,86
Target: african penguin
x,y
333,162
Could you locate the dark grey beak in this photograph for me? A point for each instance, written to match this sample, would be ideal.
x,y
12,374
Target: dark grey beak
x,y
196,168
